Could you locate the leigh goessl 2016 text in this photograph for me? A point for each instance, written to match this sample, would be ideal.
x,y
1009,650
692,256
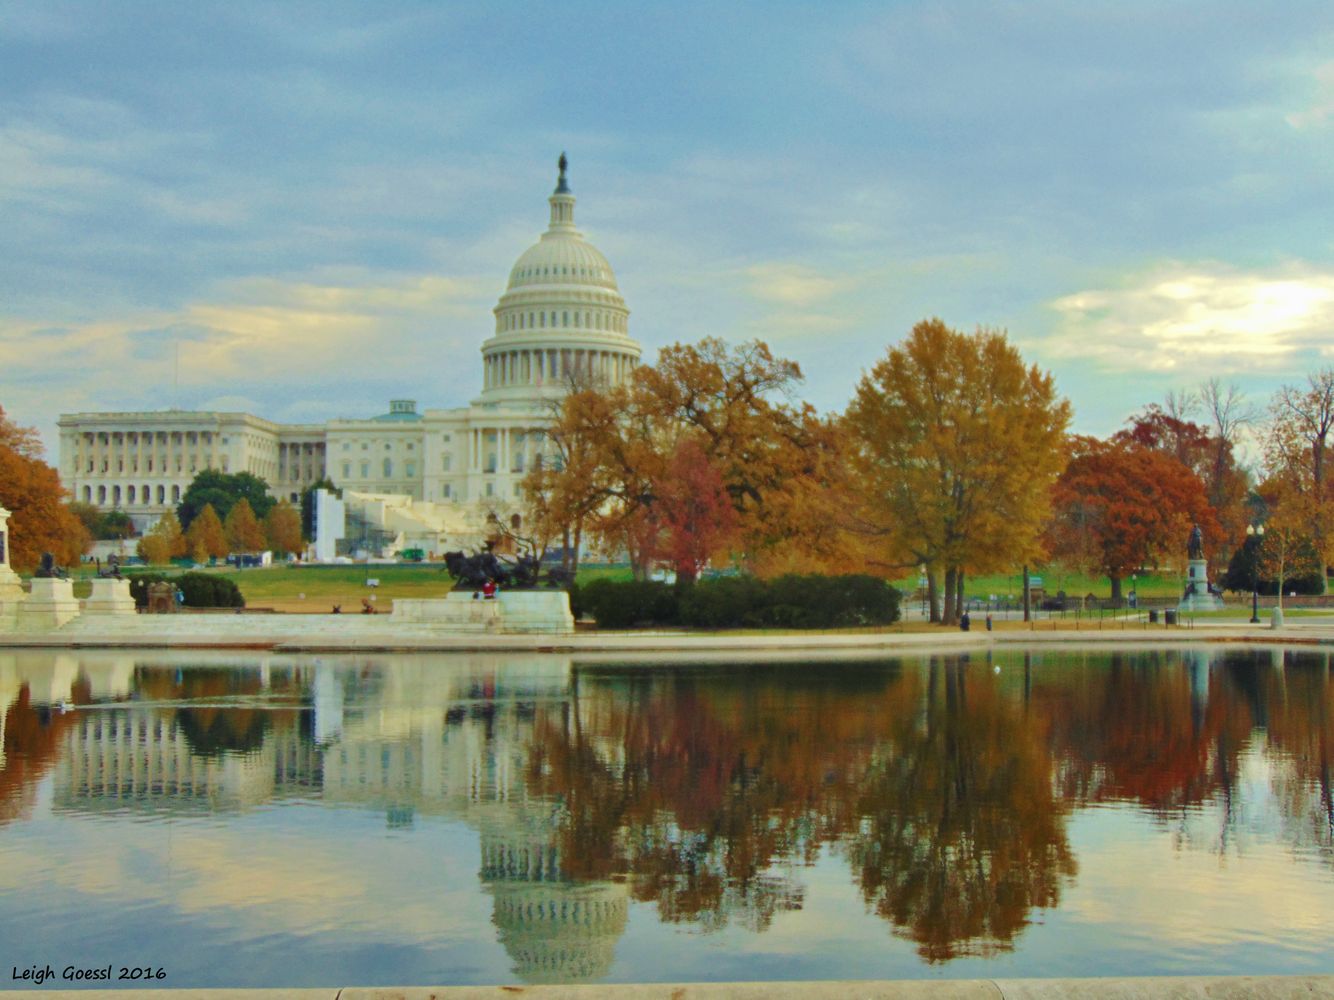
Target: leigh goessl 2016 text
x,y
38,974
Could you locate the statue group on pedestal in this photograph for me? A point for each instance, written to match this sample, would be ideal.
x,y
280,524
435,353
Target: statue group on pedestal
x,y
524,573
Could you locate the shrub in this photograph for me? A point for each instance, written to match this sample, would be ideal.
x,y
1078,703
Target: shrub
x,y
745,602
209,590
625,604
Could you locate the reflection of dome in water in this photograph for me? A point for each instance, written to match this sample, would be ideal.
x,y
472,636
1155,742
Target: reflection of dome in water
x,y
556,930
560,932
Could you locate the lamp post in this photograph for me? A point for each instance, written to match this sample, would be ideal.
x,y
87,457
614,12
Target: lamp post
x,y
1256,532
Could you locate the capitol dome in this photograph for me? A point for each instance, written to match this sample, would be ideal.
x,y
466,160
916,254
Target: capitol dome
x,y
561,319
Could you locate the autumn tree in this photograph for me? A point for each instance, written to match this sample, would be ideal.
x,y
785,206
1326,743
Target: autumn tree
x,y
1300,437
694,512
205,536
1120,506
608,449
164,541
1209,452
41,521
242,528
283,528
956,443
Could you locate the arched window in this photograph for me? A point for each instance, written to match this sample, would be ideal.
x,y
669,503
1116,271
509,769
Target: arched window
x,y
130,498
115,496
175,494
87,494
101,495
161,494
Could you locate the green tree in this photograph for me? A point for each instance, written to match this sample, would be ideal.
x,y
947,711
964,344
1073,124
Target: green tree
x,y
221,491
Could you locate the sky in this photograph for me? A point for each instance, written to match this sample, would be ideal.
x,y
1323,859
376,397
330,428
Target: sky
x,y
304,210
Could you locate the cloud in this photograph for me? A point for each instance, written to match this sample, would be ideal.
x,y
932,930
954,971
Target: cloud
x,y
1202,319
1320,112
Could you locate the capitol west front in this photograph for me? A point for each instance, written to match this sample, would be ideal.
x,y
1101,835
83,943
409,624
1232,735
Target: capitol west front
x,y
561,314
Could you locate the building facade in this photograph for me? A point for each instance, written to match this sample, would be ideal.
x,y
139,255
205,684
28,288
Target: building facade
x,y
561,317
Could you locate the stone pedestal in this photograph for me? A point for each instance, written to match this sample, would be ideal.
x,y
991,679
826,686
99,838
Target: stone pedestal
x,y
50,605
109,597
11,590
508,611
1197,596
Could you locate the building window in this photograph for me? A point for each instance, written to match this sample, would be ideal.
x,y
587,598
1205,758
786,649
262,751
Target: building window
x,y
347,470
409,446
446,491
161,494
490,489
364,446
444,463
175,494
101,495
87,494
132,493
410,469
347,445
388,468
365,470
387,446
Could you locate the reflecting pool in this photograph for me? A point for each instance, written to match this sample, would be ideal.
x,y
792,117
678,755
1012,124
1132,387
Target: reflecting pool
x,y
260,820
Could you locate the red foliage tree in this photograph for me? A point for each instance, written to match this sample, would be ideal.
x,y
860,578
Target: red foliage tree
x,y
694,511
1120,506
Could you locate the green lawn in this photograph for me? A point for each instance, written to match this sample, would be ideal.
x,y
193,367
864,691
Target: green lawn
x,y
1057,578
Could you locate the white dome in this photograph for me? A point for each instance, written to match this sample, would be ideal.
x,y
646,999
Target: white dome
x,y
561,313
562,258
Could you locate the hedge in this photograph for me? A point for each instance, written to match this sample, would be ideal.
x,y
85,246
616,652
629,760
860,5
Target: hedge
x,y
201,590
744,602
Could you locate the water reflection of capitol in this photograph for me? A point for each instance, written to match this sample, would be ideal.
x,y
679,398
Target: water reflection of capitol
x,y
411,738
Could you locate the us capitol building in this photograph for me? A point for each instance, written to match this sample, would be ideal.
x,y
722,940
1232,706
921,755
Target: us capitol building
x,y
561,316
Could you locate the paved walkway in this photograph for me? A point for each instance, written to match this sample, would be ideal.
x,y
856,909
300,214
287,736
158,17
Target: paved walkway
x,y
329,633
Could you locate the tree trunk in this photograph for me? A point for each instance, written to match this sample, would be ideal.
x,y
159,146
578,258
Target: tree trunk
x,y
958,601
951,615
932,596
1028,610
578,542
1116,587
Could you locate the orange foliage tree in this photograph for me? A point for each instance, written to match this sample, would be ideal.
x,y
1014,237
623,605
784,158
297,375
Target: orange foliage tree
x,y
205,536
956,442
30,490
1119,506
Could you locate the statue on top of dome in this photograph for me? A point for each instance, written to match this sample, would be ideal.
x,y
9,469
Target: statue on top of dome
x,y
561,186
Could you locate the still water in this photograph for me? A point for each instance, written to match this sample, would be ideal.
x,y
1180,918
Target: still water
x,y
269,820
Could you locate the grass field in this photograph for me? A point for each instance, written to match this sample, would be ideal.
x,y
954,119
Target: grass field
x,y
315,589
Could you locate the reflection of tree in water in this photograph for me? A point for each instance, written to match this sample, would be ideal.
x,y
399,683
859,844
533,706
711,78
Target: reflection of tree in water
x,y
33,736
706,793
212,729
1300,717
962,835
